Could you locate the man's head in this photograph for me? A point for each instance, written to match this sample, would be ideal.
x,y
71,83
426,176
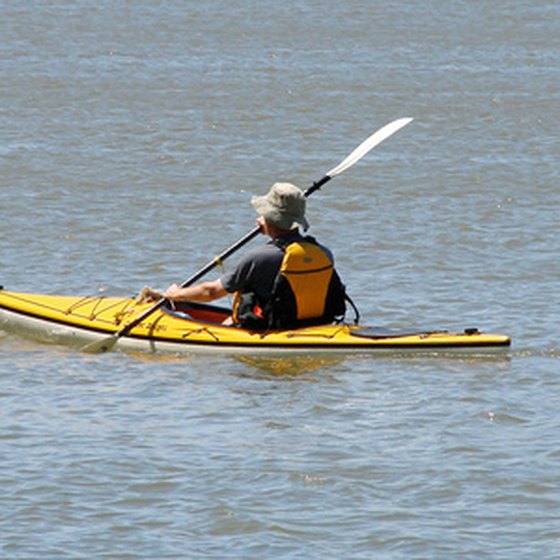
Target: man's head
x,y
283,206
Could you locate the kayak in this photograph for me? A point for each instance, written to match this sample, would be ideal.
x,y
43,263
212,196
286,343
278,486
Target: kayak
x,y
194,327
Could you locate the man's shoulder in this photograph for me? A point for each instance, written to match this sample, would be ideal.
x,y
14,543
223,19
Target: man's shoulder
x,y
265,254
266,249
256,267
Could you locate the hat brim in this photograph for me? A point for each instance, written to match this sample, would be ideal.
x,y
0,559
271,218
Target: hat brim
x,y
273,214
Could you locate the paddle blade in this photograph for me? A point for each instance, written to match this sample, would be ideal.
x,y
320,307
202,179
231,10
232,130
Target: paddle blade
x,y
100,346
368,144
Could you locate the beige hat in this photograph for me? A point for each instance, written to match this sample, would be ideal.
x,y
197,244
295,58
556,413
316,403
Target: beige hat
x,y
284,206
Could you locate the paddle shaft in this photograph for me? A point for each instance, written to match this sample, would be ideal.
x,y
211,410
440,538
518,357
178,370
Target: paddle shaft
x,y
357,154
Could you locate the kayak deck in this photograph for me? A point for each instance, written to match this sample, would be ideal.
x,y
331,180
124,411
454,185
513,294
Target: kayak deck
x,y
194,327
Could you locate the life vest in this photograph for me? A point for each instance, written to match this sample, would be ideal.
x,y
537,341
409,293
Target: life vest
x,y
307,291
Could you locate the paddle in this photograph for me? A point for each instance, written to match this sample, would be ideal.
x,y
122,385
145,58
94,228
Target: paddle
x,y
107,344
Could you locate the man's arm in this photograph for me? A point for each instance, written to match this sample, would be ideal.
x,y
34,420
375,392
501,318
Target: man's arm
x,y
205,291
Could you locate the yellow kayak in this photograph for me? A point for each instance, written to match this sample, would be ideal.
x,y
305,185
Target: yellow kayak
x,y
79,321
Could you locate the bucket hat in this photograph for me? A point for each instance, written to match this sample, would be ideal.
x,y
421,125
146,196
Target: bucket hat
x,y
283,205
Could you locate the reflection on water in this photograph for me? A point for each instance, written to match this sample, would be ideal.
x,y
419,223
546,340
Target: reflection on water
x,y
292,365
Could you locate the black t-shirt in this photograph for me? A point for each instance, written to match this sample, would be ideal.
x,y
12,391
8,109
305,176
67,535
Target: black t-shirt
x,y
257,270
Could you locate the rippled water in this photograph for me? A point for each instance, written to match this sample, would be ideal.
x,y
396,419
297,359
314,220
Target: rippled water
x,y
132,137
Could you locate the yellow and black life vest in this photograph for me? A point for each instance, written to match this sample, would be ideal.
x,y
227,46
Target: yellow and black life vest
x,y
307,290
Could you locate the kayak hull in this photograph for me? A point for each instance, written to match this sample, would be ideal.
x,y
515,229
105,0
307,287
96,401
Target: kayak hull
x,y
81,321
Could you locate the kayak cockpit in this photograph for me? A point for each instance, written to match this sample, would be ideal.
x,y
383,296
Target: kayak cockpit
x,y
199,312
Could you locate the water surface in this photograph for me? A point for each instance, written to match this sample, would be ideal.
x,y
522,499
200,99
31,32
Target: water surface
x,y
132,138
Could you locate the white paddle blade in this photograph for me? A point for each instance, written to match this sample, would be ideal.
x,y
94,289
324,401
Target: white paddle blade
x,y
100,346
368,144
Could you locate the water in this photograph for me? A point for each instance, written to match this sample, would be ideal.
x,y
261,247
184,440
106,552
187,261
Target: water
x,y
132,137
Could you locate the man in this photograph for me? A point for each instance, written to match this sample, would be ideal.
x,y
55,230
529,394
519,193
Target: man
x,y
290,281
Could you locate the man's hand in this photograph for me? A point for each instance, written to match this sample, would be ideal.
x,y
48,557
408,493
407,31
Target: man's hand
x,y
174,291
147,295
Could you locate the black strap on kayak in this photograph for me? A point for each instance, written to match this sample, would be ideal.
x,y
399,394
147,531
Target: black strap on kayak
x,y
381,332
354,307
